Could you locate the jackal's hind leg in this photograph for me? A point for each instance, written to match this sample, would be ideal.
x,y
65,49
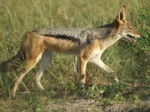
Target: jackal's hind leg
x,y
43,64
28,66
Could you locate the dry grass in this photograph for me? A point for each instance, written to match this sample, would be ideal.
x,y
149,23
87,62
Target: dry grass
x,y
130,61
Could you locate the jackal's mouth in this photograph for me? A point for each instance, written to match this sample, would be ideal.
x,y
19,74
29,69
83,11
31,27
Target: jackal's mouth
x,y
131,38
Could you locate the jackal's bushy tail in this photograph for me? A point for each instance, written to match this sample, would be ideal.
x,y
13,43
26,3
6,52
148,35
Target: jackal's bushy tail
x,y
12,64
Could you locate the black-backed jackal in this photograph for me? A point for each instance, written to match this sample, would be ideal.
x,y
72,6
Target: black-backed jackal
x,y
87,44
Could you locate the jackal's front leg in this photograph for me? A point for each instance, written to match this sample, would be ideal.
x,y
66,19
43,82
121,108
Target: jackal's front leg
x,y
104,67
97,61
82,69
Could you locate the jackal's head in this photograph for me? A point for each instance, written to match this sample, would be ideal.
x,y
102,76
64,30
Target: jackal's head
x,y
124,28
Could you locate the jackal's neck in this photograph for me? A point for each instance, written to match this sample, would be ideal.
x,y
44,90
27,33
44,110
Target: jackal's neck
x,y
104,31
109,32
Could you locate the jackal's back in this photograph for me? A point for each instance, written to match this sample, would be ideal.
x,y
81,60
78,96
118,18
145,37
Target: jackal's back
x,y
72,34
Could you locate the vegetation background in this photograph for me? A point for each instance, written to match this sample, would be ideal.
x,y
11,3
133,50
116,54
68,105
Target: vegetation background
x,y
130,61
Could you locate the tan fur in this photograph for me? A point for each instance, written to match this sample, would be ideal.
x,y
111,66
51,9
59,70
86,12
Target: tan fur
x,y
59,45
39,48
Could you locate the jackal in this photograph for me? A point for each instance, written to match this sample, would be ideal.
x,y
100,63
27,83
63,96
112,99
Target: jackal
x,y
87,44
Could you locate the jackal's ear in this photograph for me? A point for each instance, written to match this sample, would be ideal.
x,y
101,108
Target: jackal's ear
x,y
121,18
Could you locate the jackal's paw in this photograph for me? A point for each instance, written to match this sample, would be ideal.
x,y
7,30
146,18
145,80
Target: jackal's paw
x,y
108,70
82,86
39,86
116,79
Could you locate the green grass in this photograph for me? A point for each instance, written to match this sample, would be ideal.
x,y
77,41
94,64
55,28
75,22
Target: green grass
x,y
129,61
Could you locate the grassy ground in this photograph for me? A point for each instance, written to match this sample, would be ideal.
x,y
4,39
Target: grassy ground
x,y
129,61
